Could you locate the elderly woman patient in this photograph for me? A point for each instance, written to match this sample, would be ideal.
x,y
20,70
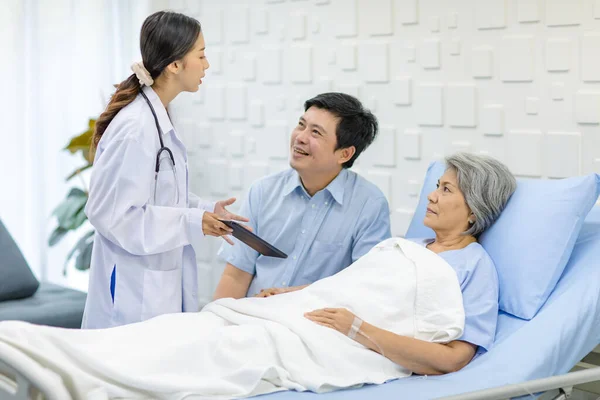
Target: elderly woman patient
x,y
469,197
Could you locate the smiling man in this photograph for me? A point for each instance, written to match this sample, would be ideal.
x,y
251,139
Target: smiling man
x,y
318,212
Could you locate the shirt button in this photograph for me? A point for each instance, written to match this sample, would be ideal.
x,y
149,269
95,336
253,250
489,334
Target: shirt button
x,y
283,283
303,231
326,203
294,257
313,206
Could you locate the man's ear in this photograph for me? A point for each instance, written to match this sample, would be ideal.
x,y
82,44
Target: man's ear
x,y
345,154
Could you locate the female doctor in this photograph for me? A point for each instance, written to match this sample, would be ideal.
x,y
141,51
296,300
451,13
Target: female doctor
x,y
142,262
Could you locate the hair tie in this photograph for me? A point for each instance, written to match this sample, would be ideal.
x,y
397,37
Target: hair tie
x,y
142,74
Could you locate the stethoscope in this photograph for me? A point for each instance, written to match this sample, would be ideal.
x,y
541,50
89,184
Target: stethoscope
x,y
162,149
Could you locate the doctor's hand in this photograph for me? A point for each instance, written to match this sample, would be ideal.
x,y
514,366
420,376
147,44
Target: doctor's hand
x,y
213,227
339,319
222,212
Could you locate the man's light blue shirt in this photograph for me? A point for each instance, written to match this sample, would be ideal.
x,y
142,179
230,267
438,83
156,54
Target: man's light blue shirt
x,y
480,288
321,235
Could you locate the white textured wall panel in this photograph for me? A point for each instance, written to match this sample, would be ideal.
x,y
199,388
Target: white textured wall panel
x,y
270,65
563,13
524,156
590,57
532,105
346,56
528,10
558,54
411,144
238,25
236,143
563,154
237,101
402,91
260,20
455,46
300,63
492,120
383,151
452,22
347,21
429,104
430,54
517,58
482,62
461,100
515,79
375,18
407,11
374,62
587,107
215,96
298,26
490,14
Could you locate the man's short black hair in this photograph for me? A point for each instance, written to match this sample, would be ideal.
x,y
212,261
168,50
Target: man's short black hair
x,y
357,126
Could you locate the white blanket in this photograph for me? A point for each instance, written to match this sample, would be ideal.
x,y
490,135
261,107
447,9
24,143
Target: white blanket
x,y
238,348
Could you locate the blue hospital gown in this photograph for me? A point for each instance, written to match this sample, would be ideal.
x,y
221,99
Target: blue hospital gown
x,y
479,286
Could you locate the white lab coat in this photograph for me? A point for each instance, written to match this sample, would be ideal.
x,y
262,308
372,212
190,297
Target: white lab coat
x,y
141,248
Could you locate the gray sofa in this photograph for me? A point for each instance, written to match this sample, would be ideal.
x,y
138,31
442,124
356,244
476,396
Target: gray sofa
x,y
23,298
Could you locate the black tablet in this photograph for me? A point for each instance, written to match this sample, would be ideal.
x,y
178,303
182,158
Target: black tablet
x,y
258,244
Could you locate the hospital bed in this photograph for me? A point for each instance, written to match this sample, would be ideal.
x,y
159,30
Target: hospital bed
x,y
528,357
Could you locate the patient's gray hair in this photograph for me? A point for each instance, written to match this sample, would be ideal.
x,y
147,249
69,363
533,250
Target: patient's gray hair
x,y
486,183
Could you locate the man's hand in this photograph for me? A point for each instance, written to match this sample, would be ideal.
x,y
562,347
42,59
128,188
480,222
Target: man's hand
x,y
273,291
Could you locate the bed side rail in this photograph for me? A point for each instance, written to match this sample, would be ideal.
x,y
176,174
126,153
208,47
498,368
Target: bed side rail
x,y
563,383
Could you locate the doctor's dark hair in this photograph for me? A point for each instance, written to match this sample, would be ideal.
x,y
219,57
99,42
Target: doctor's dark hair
x,y
357,126
165,37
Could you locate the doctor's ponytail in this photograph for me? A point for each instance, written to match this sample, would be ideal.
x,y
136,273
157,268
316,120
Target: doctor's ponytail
x,y
126,92
165,37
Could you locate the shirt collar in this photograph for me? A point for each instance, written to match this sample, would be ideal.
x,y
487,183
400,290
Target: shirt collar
x,y
292,183
335,187
161,113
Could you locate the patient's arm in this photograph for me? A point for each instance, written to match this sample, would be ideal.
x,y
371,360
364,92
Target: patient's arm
x,y
421,357
424,358
234,283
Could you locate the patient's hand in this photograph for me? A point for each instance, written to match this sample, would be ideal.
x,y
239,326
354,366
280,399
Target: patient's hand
x,y
273,291
339,319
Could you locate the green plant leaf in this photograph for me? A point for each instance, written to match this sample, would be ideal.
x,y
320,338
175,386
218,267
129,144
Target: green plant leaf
x,y
70,213
56,236
83,141
78,171
84,258
79,246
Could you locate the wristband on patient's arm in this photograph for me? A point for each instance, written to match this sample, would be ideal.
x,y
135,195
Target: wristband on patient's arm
x,y
355,329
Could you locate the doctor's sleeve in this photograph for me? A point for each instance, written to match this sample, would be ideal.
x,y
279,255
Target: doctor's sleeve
x,y
197,202
372,227
240,255
121,188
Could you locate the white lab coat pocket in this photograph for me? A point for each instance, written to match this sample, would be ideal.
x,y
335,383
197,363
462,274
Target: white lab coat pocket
x,y
162,292
166,191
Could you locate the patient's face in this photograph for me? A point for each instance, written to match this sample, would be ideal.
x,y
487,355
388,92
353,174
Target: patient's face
x,y
313,143
447,211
